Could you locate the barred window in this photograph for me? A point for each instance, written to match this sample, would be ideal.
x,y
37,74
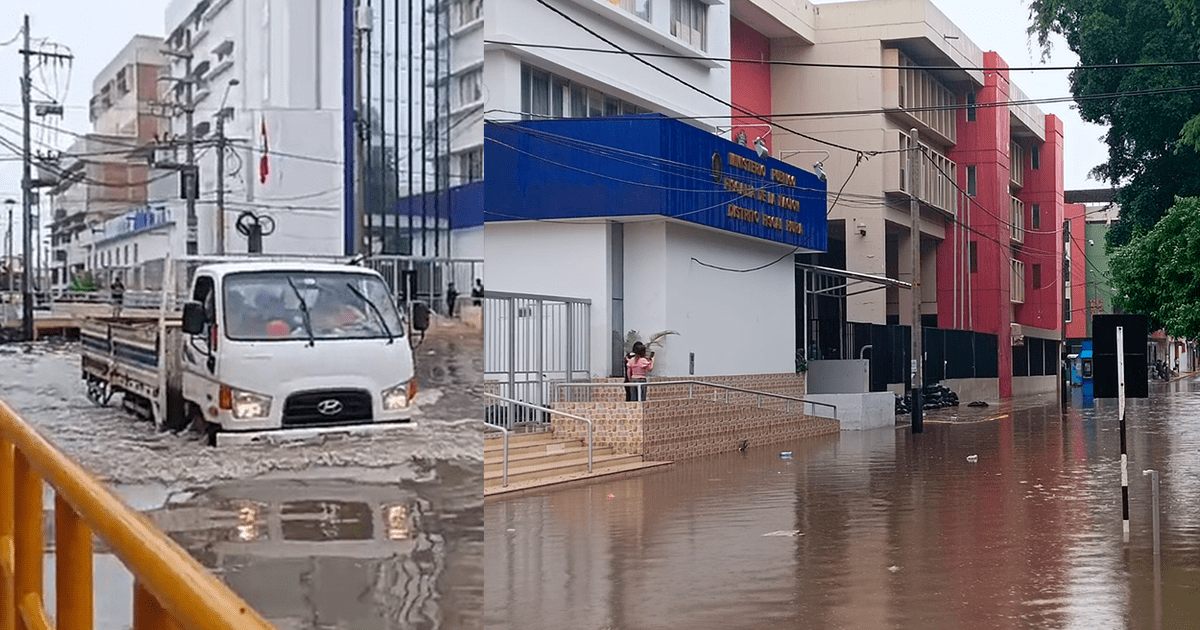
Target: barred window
x,y
689,22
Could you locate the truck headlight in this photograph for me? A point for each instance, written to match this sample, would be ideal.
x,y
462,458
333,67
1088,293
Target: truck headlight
x,y
398,396
245,405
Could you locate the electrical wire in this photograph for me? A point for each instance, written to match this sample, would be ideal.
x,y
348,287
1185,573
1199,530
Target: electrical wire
x,y
876,112
806,64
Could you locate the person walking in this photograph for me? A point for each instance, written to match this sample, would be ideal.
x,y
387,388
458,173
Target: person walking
x,y
640,364
118,295
451,299
477,292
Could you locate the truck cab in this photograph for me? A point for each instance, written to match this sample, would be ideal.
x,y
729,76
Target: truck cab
x,y
271,345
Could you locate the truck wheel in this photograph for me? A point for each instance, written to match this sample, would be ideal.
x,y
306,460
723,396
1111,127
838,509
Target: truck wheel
x,y
175,416
207,430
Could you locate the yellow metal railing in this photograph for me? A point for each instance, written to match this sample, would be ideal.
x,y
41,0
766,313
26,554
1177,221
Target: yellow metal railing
x,y
171,589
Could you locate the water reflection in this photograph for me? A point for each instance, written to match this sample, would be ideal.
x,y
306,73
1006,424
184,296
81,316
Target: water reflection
x,y
891,530
337,554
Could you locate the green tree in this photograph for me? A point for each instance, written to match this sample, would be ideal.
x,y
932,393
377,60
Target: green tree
x,y
1158,272
1153,140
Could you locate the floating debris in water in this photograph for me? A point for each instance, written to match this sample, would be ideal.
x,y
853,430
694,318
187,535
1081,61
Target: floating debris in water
x,y
784,532
893,568
786,454
972,458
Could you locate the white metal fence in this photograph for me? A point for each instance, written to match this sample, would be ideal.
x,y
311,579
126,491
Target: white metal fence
x,y
531,343
428,279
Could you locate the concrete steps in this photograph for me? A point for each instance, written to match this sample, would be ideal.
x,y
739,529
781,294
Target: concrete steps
x,y
537,460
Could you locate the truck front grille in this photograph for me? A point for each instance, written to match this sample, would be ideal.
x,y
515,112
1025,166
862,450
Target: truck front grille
x,y
327,406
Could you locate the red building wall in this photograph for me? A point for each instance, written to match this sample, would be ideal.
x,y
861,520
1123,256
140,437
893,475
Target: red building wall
x,y
750,82
983,144
1077,327
1043,246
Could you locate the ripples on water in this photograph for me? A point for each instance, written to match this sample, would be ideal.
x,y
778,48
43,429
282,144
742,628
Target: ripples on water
x,y
890,530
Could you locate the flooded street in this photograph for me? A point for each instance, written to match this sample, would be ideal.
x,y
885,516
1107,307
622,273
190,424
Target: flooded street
x,y
879,529
380,531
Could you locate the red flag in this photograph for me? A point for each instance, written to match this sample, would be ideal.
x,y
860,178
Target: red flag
x,y
264,167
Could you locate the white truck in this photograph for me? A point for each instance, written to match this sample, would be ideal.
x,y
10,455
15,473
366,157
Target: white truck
x,y
261,346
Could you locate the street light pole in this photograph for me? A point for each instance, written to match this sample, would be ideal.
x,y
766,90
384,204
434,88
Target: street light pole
x,y
221,115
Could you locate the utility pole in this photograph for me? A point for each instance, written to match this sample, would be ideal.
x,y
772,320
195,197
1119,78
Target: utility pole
x,y
1064,382
189,174
193,177
220,183
362,26
26,194
914,208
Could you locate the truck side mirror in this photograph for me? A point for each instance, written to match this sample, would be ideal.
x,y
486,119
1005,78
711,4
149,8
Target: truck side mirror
x,y
420,316
193,318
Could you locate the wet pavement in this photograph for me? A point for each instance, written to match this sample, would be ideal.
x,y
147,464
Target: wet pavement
x,y
380,531
876,529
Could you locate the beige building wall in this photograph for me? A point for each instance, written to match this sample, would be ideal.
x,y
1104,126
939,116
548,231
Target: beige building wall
x,y
873,209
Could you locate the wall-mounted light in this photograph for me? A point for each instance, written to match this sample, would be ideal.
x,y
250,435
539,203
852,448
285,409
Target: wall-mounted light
x,y
819,167
862,229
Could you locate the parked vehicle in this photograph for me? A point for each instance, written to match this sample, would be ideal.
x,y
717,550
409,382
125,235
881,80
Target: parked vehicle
x,y
262,346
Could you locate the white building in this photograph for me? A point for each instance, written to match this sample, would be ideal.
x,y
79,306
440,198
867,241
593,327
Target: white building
x,y
660,270
277,68
565,83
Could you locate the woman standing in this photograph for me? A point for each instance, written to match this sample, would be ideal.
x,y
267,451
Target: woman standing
x,y
639,367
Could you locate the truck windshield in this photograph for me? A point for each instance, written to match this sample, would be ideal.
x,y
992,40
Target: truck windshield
x,y
264,306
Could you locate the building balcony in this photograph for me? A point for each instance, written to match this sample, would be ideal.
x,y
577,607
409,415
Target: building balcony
x,y
1016,281
1016,220
938,175
1016,168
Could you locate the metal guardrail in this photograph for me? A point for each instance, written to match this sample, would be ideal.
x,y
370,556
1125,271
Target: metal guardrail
x,y
171,589
497,427
691,392
548,410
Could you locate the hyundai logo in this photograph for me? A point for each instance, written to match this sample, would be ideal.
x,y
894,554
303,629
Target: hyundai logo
x,y
330,407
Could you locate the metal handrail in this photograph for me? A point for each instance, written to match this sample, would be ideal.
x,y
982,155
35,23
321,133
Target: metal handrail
x,y
171,589
553,412
487,426
691,390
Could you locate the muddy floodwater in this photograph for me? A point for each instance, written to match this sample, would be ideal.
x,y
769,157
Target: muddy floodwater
x,y
372,532
877,529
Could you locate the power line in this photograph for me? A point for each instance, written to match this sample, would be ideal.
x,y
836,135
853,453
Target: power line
x,y
876,112
806,64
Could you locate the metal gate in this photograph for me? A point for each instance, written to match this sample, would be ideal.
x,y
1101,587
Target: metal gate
x,y
428,279
531,343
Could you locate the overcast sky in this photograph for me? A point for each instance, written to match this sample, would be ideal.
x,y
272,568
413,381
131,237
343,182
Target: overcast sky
x,y
95,30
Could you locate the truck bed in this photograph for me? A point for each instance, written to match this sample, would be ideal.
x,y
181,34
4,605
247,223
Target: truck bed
x,y
127,355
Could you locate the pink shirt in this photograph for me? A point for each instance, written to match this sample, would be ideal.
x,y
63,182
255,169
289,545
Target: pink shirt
x,y
639,367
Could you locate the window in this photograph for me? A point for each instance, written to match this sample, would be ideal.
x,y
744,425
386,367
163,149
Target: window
x,y
1037,277
135,253
1036,217
1067,307
640,8
467,11
972,184
973,256
469,87
1035,157
689,22
470,166
970,107
535,92
544,95
1067,272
